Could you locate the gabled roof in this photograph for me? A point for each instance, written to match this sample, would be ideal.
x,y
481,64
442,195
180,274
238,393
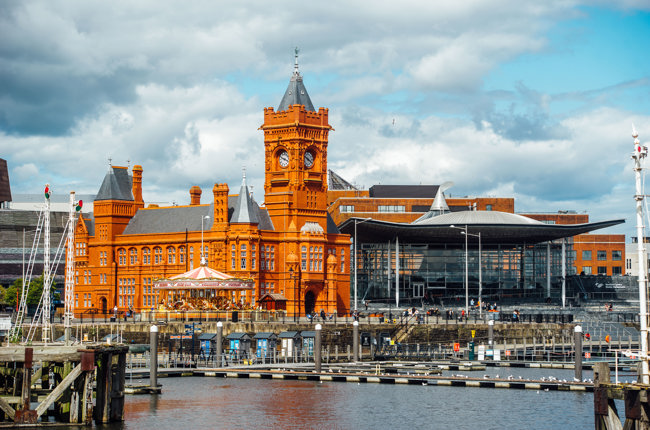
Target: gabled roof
x,y
89,222
171,219
296,93
238,335
289,335
336,182
265,335
116,185
331,225
174,219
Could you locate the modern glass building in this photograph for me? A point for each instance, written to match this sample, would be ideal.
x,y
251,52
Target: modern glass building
x,y
463,255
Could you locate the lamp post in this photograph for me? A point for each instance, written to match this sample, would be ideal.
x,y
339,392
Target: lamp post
x,y
480,264
295,296
355,257
464,231
202,258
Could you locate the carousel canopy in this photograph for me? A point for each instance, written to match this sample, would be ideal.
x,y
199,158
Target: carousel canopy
x,y
203,278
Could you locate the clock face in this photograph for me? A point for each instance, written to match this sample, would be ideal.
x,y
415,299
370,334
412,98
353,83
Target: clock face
x,y
309,159
284,159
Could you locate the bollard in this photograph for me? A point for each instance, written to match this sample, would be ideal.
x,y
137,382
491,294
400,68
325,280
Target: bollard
x,y
490,333
153,352
355,341
577,338
317,348
219,343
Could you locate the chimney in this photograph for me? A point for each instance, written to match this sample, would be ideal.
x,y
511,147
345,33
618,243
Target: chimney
x,y
220,192
195,195
137,186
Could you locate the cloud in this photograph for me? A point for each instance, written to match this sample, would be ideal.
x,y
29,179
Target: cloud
x,y
179,88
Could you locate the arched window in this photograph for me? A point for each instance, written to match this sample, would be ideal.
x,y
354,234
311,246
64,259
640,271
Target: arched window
x,y
133,256
157,255
303,257
342,260
171,255
121,256
181,255
146,256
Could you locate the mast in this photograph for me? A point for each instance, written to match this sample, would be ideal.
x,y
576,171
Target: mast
x,y
640,152
47,278
69,269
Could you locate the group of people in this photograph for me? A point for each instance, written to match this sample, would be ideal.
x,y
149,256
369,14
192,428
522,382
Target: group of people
x,y
324,316
486,305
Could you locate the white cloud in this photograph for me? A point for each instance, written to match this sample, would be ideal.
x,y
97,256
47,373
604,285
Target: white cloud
x,y
179,88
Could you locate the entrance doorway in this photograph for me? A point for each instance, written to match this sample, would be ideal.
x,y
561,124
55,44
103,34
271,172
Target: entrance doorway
x,y
104,305
310,301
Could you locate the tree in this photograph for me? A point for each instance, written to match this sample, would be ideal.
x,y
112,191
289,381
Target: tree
x,y
33,295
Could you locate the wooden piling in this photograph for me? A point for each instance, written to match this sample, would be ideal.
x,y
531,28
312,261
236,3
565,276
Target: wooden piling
x,y
71,392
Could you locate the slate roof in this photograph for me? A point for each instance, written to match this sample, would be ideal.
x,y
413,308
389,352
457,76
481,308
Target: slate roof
x,y
265,335
331,225
336,182
244,209
238,335
174,219
403,191
89,221
170,219
289,335
116,185
296,93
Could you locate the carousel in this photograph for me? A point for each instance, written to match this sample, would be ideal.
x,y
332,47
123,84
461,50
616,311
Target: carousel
x,y
203,289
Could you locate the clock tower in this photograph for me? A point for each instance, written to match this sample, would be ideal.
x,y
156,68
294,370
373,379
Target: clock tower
x,y
295,142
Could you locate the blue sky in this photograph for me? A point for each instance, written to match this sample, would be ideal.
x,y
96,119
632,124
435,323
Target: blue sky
x,y
524,99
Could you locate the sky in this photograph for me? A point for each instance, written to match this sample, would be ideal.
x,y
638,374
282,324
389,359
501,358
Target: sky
x,y
506,98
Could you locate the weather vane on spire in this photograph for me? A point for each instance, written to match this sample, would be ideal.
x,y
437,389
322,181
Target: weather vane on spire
x,y
297,51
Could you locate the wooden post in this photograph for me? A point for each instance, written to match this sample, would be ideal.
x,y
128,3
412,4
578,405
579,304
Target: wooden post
x,y
317,349
606,415
117,394
577,340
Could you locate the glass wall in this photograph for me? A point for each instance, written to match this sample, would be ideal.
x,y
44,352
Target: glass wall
x,y
437,271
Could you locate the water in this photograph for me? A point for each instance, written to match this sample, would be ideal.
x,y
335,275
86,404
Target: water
x,y
220,403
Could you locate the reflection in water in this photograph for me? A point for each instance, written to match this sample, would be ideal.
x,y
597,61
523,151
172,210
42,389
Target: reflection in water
x,y
204,403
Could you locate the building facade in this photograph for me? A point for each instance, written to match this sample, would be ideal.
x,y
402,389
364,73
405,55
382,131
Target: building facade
x,y
586,254
290,247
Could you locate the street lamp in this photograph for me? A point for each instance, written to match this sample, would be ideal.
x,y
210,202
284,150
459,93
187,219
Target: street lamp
x,y
202,257
355,257
480,271
464,231
295,297
480,264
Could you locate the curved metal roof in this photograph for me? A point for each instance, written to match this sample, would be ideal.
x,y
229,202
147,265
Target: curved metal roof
x,y
479,217
494,227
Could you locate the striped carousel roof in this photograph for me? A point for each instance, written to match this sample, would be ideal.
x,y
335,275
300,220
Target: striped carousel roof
x,y
202,278
202,272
